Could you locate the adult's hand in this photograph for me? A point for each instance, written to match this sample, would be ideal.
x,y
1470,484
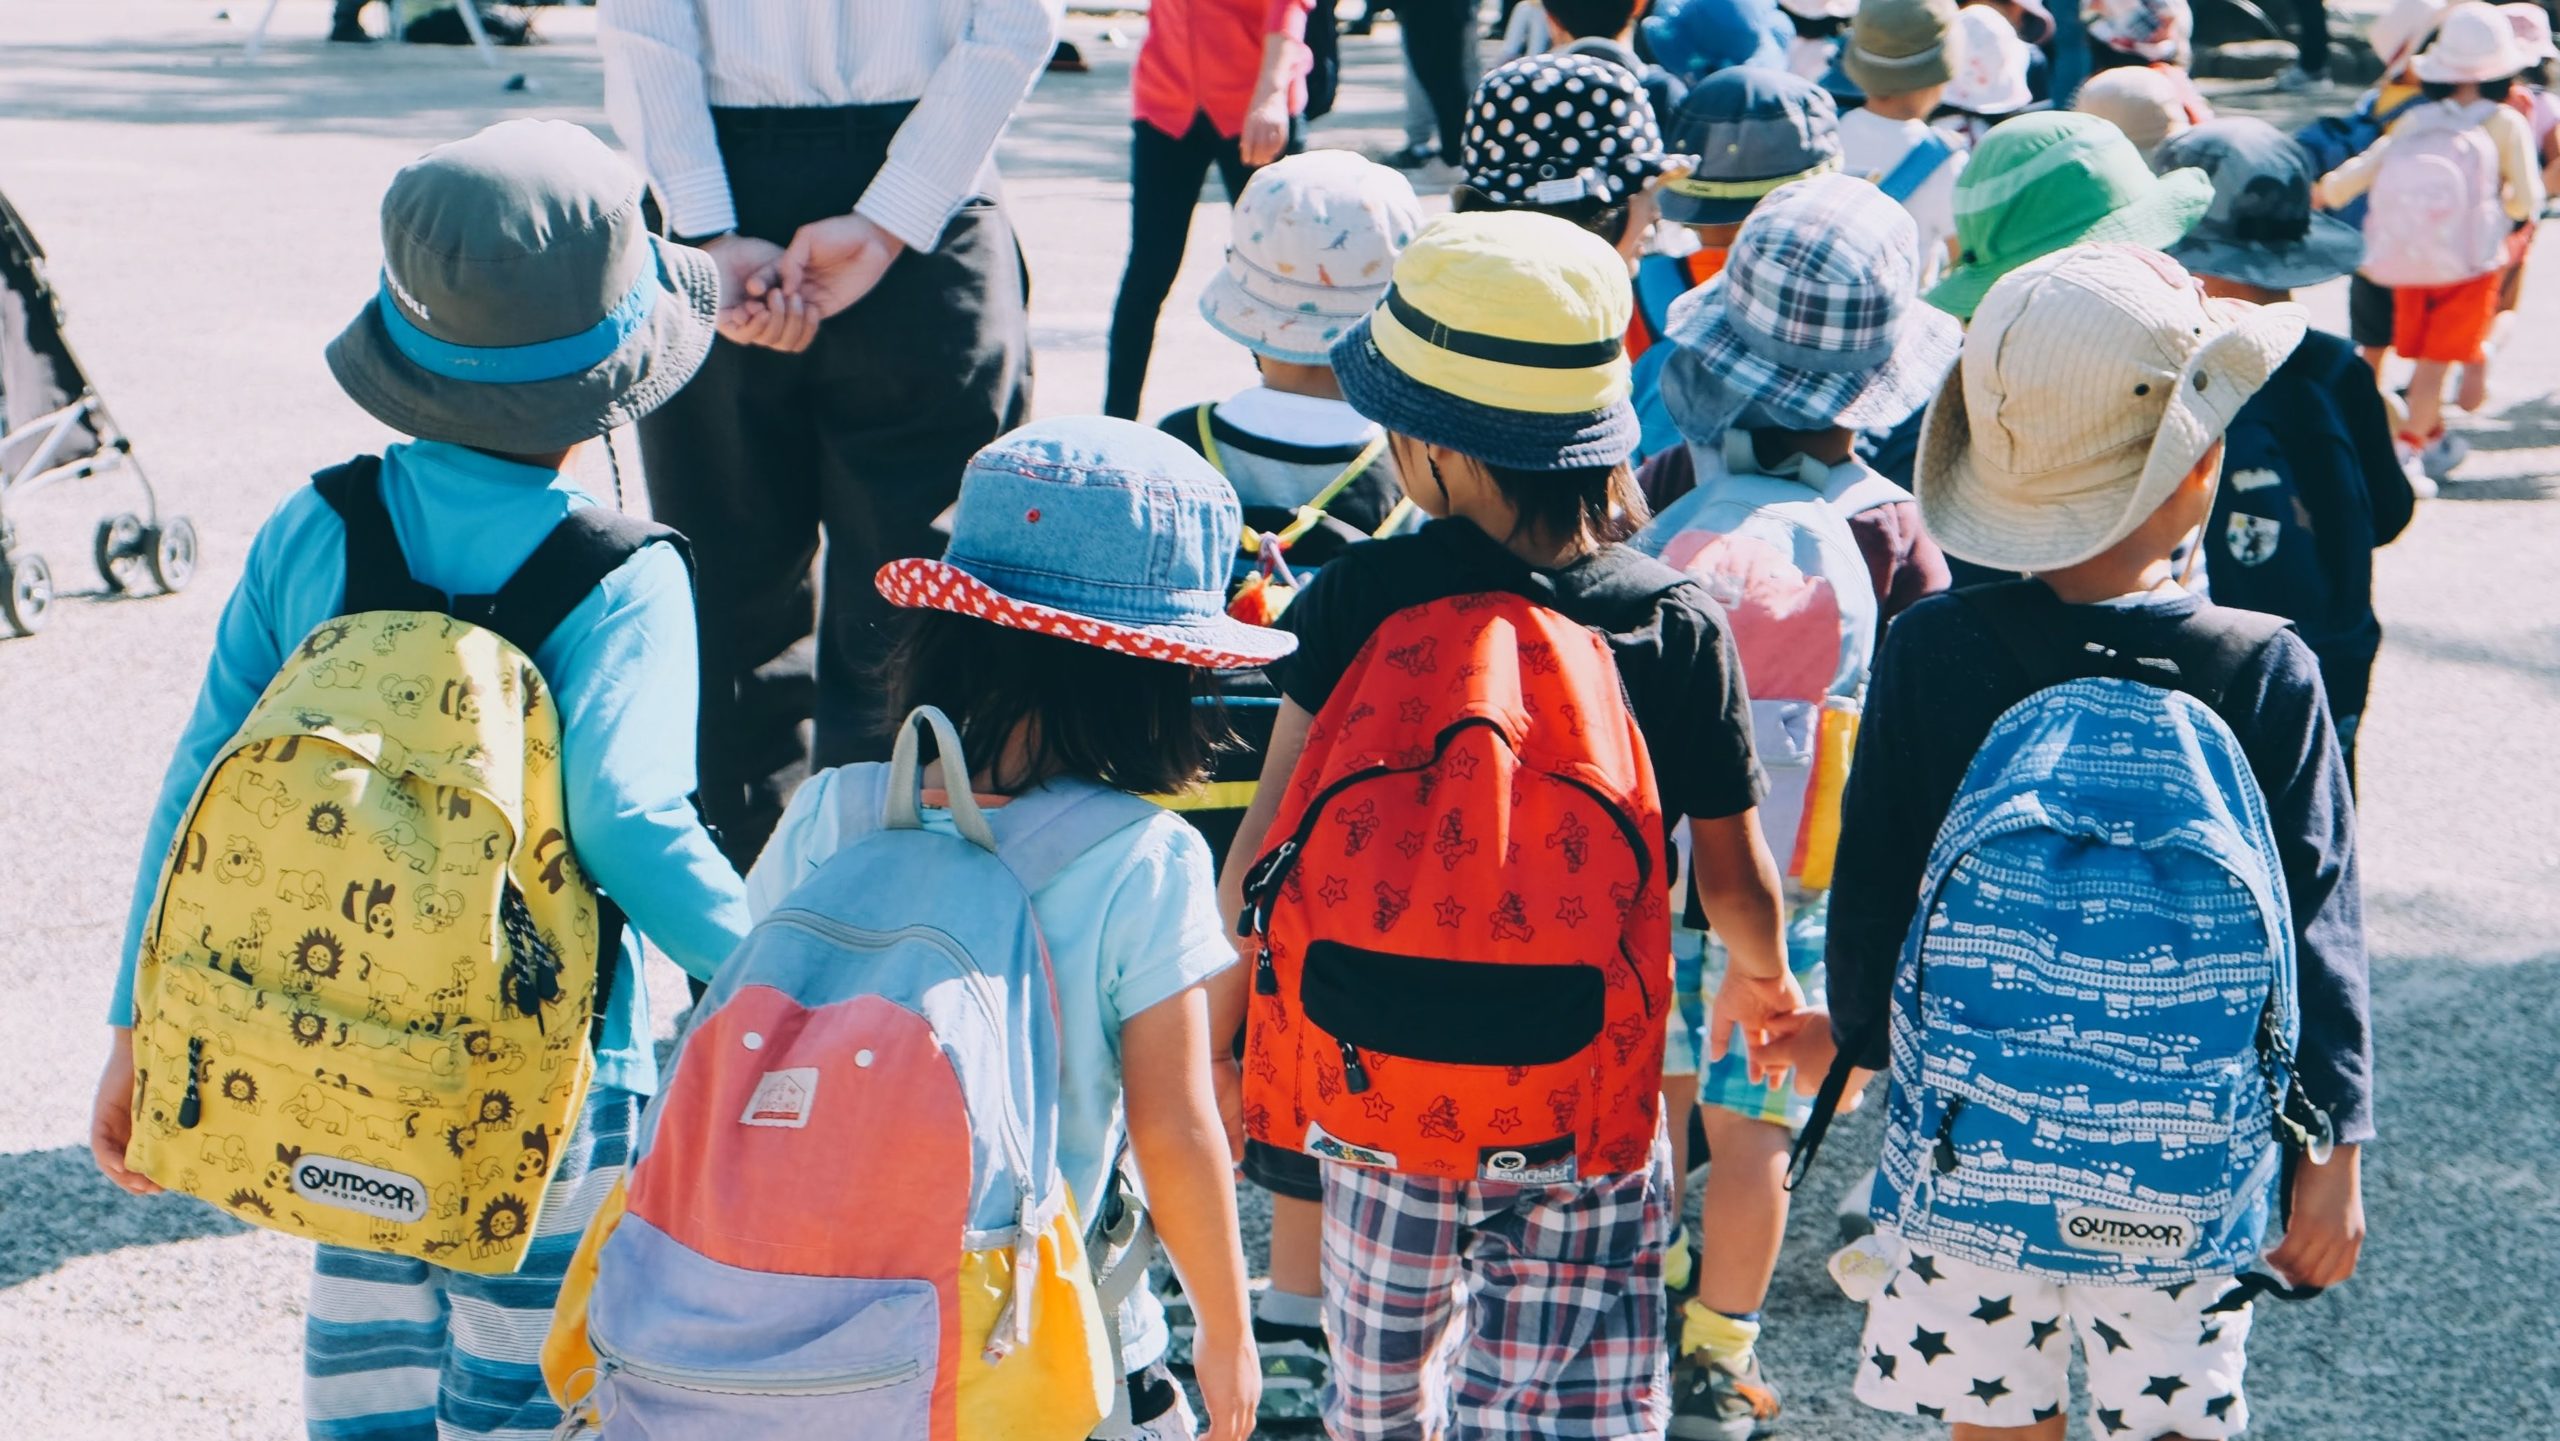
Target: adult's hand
x,y
834,262
754,310
1266,128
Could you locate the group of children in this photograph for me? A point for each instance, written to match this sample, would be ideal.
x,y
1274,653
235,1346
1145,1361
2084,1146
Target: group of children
x,y
1607,524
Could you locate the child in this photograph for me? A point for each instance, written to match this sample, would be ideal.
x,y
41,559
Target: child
x,y
1495,366
1067,632
2444,268
1602,29
551,219
2111,378
1990,83
1567,136
2531,98
1753,131
1316,237
1218,83
2154,35
2314,486
2138,100
2043,182
1819,26
1772,382
1902,53
1694,39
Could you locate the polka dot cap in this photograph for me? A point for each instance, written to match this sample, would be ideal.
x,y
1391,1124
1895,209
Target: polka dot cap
x,y
918,584
1557,130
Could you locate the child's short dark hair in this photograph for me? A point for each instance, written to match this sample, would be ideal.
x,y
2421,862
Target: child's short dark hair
x,y
1818,27
1601,500
1583,19
1139,725
1607,221
2489,89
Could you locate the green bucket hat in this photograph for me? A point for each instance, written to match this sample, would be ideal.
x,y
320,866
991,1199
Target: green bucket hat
x,y
524,306
2042,182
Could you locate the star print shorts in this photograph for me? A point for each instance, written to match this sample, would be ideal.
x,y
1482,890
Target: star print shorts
x,y
1487,1311
1956,1342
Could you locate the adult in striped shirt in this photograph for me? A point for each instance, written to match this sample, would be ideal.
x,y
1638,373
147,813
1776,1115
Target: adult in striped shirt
x,y
837,158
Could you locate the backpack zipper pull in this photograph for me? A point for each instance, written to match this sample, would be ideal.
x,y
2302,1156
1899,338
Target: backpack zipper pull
x,y
1355,1076
1266,977
191,1109
1944,1156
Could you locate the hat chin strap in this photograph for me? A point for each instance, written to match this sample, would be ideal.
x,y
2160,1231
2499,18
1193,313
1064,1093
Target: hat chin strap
x,y
518,364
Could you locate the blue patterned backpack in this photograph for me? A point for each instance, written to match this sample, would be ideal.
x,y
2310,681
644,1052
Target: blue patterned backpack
x,y
2095,1012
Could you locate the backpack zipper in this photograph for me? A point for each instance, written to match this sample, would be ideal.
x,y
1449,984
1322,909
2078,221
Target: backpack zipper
x,y
1355,1076
191,1107
749,1383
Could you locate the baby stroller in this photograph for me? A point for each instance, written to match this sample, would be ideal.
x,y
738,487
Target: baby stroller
x,y
54,428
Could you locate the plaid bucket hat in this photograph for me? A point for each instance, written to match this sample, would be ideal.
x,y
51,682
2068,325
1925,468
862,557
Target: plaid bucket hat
x,y
1815,321
1752,131
1316,237
524,306
2261,228
1548,130
1504,338
2044,181
1099,531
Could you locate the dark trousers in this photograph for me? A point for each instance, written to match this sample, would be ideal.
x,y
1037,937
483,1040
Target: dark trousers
x,y
2311,37
860,438
1165,175
1435,40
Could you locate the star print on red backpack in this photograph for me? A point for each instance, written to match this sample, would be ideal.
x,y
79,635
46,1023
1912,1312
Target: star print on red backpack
x,y
1463,969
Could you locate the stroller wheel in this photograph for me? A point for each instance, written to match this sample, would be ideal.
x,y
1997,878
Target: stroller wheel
x,y
26,591
119,552
172,553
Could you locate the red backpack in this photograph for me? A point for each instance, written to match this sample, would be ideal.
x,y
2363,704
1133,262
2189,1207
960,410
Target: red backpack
x,y
1464,964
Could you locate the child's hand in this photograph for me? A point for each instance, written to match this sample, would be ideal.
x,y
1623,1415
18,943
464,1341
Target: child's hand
x,y
1768,1010
111,1118
1229,1372
2326,1235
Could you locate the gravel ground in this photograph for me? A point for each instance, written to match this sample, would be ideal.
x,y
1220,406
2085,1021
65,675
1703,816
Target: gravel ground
x,y
211,224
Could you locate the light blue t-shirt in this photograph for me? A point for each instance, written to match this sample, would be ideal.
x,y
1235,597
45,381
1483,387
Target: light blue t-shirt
x,y
621,667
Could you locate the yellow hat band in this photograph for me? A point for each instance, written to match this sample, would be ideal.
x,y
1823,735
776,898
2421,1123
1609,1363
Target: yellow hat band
x,y
1697,189
1542,377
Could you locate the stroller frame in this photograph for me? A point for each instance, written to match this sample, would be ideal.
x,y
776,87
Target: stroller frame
x,y
77,440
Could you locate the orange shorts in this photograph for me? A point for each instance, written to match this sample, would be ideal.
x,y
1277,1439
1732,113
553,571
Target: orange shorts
x,y
2444,322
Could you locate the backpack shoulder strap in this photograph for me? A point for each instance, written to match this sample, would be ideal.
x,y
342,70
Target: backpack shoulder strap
x,y
377,571
1660,280
1916,166
2219,642
590,543
1867,493
2229,639
1041,832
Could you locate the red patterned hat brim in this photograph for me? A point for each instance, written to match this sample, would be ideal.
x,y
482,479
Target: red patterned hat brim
x,y
1221,644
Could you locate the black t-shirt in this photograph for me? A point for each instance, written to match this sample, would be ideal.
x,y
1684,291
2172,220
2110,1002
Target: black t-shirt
x,y
1942,681
1674,654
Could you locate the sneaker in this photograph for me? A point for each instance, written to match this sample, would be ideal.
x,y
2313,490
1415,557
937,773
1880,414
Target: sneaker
x,y
2297,81
1714,1402
2442,454
1295,1362
2421,484
350,32
1411,157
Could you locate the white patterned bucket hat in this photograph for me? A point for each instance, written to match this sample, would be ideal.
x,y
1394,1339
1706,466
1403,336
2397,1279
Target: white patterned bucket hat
x,y
1315,242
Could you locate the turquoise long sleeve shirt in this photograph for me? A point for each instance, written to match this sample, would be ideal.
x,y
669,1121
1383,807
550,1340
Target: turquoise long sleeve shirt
x,y
622,667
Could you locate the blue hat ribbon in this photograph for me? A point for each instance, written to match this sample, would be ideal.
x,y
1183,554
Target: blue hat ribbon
x,y
521,364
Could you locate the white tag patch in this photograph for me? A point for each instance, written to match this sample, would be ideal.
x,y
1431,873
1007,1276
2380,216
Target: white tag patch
x,y
1561,192
2254,479
1327,1147
2126,1233
783,1098
354,1186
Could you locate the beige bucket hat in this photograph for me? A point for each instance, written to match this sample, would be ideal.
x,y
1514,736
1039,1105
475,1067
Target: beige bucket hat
x,y
2093,379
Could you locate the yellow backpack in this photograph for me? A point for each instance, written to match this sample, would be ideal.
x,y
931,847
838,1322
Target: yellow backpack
x,y
364,1000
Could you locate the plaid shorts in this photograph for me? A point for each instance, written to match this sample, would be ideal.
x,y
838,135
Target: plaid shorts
x,y
1467,1310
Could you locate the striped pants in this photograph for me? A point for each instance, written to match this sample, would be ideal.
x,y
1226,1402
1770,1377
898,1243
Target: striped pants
x,y
398,1349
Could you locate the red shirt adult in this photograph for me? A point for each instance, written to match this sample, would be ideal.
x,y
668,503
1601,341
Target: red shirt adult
x,y
1203,57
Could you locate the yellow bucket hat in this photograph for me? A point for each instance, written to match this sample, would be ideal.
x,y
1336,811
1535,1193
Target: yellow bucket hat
x,y
1502,337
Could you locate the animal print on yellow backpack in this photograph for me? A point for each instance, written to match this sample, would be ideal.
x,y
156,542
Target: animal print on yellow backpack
x,y
362,1008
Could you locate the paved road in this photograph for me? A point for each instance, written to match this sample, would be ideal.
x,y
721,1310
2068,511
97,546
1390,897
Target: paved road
x,y
212,225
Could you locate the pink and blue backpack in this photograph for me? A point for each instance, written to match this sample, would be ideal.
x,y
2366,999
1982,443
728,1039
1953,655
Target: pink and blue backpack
x,y
845,1216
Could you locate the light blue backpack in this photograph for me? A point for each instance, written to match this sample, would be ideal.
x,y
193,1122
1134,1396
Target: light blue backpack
x,y
2094,1014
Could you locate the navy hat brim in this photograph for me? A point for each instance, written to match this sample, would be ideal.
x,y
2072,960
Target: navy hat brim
x,y
2329,249
1512,439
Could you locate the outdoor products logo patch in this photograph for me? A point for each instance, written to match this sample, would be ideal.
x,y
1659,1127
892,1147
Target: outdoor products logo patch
x,y
783,1098
359,1187
1545,1163
2127,1233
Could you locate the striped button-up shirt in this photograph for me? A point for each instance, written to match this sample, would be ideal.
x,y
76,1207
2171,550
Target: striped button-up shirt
x,y
965,63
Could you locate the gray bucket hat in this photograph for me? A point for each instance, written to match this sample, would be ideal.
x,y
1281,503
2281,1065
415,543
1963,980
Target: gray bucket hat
x,y
2260,228
523,305
1753,130
1898,46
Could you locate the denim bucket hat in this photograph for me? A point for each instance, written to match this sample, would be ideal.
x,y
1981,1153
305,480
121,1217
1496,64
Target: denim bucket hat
x,y
1098,531
1504,338
1752,131
1694,39
524,306
1815,321
2261,228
